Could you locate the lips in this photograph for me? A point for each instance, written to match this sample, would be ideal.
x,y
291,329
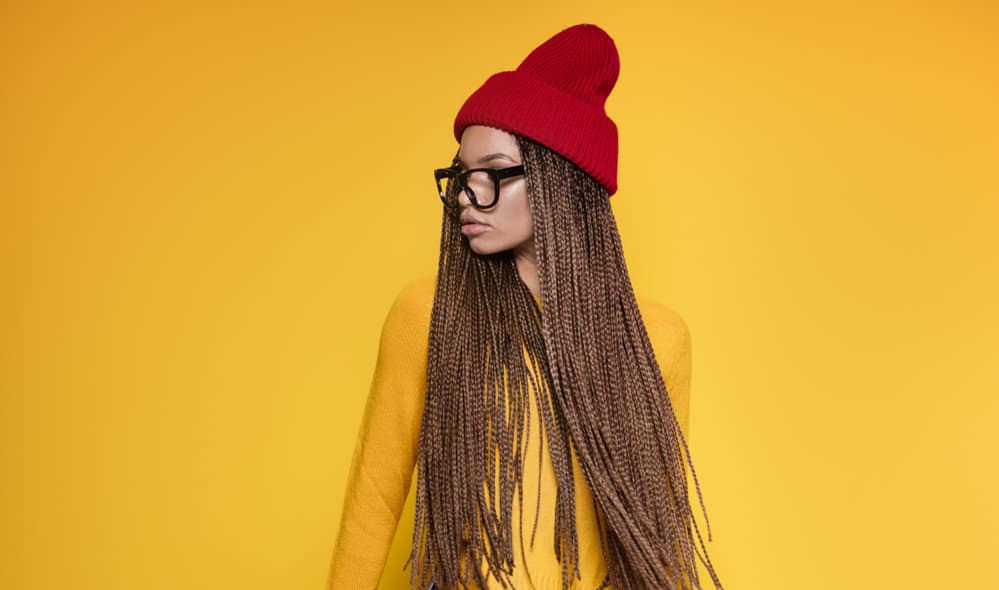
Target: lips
x,y
471,220
474,229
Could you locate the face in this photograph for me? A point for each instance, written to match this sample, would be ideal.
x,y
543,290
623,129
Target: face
x,y
507,224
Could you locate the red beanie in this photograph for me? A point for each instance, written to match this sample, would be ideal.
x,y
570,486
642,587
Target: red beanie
x,y
556,97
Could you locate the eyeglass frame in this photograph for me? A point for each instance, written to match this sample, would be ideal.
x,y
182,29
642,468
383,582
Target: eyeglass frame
x,y
454,171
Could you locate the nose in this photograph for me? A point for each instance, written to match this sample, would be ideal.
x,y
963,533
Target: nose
x,y
463,201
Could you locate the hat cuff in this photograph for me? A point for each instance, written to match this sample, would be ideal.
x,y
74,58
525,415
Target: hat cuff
x,y
520,103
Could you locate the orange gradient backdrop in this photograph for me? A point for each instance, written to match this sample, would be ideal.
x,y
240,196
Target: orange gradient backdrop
x,y
208,208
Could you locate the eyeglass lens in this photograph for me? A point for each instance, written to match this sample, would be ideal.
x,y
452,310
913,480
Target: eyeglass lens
x,y
480,184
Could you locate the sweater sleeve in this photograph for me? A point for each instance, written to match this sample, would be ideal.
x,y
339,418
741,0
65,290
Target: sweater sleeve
x,y
384,453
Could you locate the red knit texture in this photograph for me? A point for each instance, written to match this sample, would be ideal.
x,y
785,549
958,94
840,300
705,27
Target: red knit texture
x,y
556,96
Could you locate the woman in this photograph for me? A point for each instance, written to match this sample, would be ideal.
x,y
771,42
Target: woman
x,y
530,333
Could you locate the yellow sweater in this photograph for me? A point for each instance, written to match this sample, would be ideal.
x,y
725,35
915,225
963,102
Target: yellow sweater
x,y
384,457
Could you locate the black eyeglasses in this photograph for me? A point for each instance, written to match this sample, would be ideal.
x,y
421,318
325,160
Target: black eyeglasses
x,y
482,185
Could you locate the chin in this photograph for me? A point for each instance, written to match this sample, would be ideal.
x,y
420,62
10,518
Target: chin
x,y
480,250
483,247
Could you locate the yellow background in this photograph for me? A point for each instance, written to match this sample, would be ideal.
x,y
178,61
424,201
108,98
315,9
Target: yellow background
x,y
207,210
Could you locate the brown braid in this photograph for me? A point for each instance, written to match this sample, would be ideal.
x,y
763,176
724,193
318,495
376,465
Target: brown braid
x,y
586,355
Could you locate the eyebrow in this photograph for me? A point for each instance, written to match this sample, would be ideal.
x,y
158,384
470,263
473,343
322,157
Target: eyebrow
x,y
486,158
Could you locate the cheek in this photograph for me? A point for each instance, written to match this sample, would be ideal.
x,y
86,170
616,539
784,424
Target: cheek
x,y
519,222
526,224
511,220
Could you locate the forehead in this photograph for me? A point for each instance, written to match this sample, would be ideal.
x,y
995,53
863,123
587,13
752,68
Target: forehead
x,y
481,143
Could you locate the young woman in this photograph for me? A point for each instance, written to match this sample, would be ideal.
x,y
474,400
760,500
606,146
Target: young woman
x,y
528,364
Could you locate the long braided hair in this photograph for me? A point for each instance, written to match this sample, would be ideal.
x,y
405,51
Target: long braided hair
x,y
491,345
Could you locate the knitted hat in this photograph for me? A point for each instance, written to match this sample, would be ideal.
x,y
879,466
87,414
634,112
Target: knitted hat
x,y
556,97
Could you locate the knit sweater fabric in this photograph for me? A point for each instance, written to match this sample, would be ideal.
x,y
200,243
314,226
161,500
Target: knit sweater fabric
x,y
385,451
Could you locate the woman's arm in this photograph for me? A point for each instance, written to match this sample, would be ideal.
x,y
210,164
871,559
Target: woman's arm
x,y
385,450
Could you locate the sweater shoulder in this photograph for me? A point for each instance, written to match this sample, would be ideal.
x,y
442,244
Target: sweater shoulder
x,y
417,294
670,339
662,320
669,335
409,315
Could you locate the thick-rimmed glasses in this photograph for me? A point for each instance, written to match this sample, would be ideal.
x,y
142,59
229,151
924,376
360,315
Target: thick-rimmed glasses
x,y
482,185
